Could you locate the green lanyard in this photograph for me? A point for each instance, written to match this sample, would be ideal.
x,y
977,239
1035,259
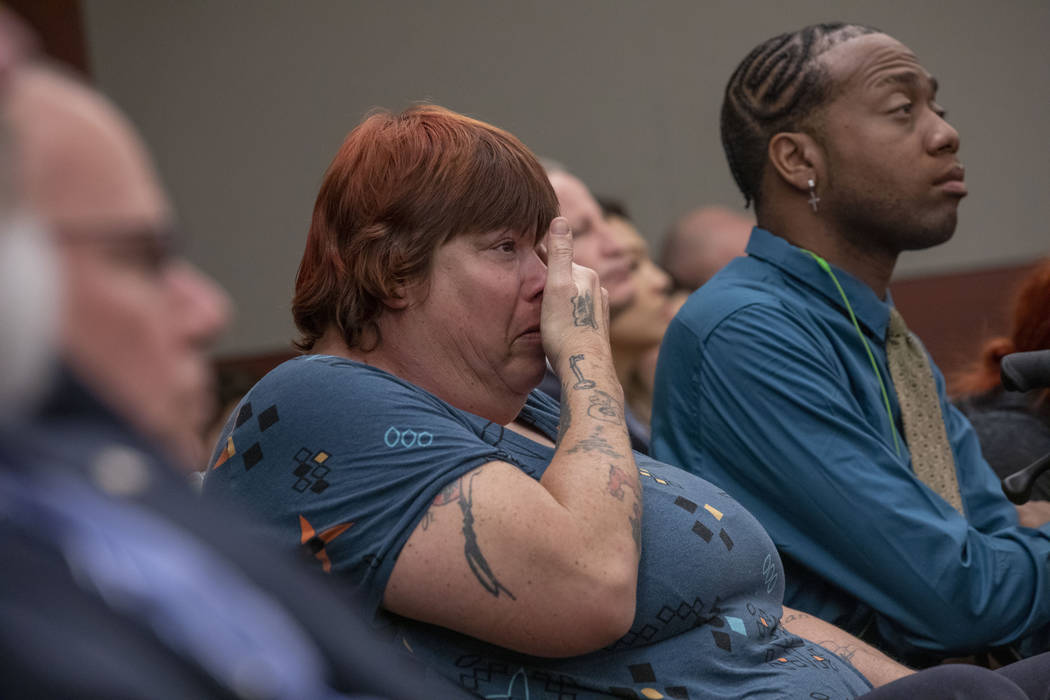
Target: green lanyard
x,y
867,348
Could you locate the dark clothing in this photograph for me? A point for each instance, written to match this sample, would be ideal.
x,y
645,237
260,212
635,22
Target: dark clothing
x,y
1013,431
119,583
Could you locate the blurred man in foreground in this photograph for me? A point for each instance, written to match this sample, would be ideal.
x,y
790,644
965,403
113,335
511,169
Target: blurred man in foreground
x,y
119,583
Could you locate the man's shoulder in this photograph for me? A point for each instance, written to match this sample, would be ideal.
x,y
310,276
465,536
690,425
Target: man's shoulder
x,y
745,287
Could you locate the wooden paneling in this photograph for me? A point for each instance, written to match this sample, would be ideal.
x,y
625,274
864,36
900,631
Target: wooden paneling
x,y
59,27
955,314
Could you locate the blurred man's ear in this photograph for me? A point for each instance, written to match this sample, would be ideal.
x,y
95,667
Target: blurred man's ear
x,y
29,313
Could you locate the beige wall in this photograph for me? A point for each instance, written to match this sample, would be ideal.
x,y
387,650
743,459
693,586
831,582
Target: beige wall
x,y
244,104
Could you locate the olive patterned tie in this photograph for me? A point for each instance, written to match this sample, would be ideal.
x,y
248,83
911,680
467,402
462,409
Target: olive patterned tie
x,y
924,431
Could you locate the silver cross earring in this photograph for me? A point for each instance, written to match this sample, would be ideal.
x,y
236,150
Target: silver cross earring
x,y
813,198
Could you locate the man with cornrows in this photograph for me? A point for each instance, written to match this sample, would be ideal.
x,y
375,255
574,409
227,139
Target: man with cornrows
x,y
791,381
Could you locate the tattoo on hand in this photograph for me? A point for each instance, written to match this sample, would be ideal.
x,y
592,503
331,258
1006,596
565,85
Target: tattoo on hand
x,y
583,310
605,408
618,479
574,365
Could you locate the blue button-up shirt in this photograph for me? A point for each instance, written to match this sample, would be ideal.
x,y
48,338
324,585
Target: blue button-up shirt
x,y
765,388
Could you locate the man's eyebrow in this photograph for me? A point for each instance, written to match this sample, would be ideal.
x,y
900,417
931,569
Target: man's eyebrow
x,y
910,79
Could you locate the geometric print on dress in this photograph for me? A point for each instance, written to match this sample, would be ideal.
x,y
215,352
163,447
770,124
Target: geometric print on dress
x,y
310,471
702,530
643,673
253,454
479,674
683,616
315,543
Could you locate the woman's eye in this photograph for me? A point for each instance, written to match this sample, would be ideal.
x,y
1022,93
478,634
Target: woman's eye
x,y
904,108
507,246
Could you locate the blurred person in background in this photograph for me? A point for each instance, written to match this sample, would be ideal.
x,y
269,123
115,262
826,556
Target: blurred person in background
x,y
635,333
703,241
1013,427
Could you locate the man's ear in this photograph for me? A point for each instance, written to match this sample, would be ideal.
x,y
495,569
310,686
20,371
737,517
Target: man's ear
x,y
797,158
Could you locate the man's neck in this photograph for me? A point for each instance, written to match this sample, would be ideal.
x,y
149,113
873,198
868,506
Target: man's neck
x,y
872,266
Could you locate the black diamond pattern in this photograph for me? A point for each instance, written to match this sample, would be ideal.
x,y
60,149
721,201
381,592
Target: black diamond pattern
x,y
252,456
642,673
244,414
268,417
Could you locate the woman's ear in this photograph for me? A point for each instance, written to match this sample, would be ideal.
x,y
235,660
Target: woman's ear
x,y
797,158
404,294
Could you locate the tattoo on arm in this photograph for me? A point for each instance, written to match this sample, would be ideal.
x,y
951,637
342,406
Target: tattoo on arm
x,y
605,408
565,420
574,365
845,651
453,493
595,443
618,480
449,494
475,559
583,310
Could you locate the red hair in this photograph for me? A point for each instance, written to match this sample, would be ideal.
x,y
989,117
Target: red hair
x,y
1030,331
400,186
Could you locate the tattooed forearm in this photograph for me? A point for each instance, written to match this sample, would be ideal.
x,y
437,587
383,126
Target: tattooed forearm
x,y
618,482
574,365
583,310
475,559
605,408
595,443
565,420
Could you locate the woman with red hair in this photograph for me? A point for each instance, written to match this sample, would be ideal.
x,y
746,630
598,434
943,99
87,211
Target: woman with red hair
x,y
519,549
1014,428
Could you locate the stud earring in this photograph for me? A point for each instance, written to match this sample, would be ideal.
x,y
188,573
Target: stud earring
x,y
813,198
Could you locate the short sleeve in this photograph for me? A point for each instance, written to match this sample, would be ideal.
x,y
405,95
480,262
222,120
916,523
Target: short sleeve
x,y
344,460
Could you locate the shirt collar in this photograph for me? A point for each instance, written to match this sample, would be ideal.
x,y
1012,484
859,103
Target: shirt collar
x,y
873,314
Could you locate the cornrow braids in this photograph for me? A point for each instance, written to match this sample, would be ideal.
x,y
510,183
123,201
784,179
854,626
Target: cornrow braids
x,y
776,88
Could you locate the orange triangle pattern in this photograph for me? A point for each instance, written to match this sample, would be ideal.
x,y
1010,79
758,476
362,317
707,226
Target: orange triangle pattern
x,y
227,452
307,533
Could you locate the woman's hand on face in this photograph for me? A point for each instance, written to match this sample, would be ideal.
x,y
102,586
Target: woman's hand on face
x,y
575,305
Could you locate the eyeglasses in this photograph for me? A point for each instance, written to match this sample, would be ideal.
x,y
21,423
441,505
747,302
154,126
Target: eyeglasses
x,y
149,249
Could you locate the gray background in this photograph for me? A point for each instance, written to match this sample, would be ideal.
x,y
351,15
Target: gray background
x,y
245,103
